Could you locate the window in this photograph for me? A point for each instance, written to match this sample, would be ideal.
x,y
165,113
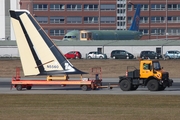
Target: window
x,y
107,19
144,7
75,7
121,11
57,19
144,20
144,31
129,19
74,19
56,7
129,7
120,18
156,66
122,53
122,23
56,32
174,19
90,19
157,31
174,31
146,66
108,7
173,6
121,6
157,19
42,19
158,7
89,7
40,7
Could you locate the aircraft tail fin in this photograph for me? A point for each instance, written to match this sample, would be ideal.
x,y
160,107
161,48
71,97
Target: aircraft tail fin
x,y
38,53
135,24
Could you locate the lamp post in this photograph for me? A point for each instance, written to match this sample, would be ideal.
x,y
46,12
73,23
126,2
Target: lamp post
x,y
149,20
99,14
166,20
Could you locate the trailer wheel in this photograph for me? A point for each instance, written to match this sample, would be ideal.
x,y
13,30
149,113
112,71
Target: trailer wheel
x,y
125,85
19,87
84,87
28,87
153,85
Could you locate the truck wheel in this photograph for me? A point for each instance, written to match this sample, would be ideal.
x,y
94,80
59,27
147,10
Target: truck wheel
x,y
19,87
153,85
125,85
89,57
84,87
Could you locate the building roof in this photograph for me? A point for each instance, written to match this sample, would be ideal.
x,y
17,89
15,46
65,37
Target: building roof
x,y
108,43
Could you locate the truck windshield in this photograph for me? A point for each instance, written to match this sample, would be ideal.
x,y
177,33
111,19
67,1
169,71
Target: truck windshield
x,y
156,65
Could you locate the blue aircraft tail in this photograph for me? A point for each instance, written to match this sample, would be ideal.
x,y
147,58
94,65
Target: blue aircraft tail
x,y
135,24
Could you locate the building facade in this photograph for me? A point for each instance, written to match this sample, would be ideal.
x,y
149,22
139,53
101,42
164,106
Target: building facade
x,y
6,31
159,19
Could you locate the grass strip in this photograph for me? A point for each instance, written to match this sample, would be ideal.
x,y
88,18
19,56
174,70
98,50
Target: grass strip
x,y
91,107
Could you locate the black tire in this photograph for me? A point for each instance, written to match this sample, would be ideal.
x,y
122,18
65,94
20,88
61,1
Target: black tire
x,y
19,87
153,85
89,57
84,87
125,85
167,57
100,57
114,57
28,87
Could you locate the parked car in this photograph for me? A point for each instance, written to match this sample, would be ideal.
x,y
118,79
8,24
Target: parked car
x,y
121,54
95,54
172,54
73,55
149,55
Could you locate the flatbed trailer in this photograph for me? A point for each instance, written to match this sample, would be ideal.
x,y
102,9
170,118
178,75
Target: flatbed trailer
x,y
84,83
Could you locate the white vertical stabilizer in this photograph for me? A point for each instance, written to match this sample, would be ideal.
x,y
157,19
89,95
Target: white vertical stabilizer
x,y
38,53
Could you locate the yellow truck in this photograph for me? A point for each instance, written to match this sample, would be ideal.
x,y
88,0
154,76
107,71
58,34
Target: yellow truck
x,y
150,74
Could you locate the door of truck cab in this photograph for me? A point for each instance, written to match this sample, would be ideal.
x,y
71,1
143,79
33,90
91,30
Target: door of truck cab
x,y
146,69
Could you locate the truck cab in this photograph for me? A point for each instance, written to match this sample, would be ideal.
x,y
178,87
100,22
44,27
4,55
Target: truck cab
x,y
149,68
150,74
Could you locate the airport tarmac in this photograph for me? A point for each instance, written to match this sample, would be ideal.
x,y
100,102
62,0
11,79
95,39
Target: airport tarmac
x,y
5,88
